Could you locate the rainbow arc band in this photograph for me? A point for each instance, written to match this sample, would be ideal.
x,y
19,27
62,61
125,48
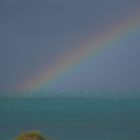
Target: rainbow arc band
x,y
116,33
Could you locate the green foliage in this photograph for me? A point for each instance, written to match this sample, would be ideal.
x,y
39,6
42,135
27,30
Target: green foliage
x,y
33,135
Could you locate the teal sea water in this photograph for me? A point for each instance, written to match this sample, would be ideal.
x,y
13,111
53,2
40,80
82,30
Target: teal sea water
x,y
71,118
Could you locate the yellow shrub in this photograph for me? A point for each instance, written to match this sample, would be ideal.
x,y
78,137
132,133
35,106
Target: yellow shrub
x,y
33,135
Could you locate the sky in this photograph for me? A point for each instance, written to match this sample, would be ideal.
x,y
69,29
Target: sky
x,y
35,33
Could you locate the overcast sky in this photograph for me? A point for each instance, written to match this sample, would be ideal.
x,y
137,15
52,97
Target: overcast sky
x,y
34,33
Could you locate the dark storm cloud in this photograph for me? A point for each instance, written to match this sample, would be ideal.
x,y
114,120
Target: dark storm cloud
x,y
36,32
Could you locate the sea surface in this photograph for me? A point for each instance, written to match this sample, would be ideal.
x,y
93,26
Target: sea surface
x,y
69,118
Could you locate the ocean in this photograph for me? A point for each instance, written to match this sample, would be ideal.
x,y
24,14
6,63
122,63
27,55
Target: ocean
x,y
71,118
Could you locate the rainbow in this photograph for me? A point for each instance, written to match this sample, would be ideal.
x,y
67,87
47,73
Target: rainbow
x,y
89,48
